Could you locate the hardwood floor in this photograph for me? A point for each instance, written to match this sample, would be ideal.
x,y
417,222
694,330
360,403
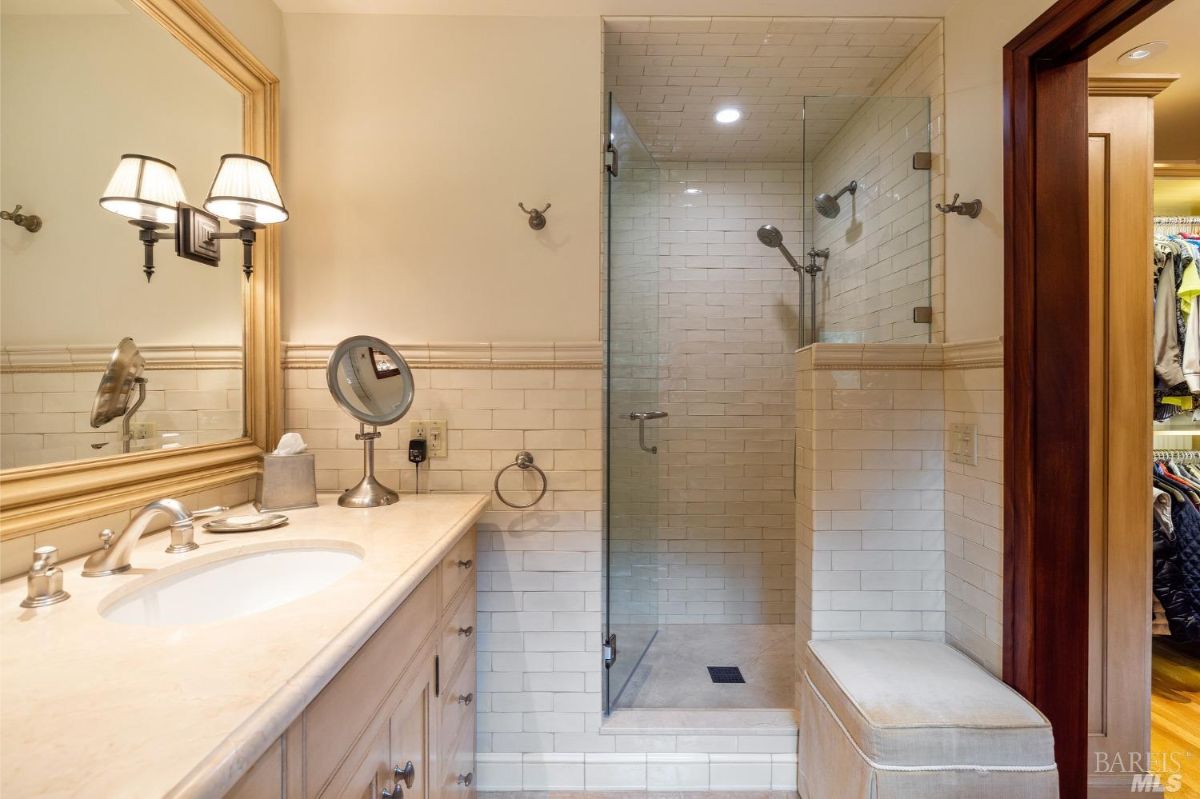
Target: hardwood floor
x,y
1175,711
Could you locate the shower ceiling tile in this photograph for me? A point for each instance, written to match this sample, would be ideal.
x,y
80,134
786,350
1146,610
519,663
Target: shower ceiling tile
x,y
672,74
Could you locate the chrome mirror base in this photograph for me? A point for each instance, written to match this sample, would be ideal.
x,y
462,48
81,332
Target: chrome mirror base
x,y
369,493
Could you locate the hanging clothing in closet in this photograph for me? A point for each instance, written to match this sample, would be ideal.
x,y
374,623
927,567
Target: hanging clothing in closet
x,y
1176,535
1176,324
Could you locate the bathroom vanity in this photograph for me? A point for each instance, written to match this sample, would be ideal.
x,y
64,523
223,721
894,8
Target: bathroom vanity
x,y
361,688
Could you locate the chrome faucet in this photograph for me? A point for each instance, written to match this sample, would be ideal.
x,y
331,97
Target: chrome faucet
x,y
114,557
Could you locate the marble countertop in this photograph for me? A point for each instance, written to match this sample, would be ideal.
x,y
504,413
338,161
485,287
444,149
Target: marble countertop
x,y
116,710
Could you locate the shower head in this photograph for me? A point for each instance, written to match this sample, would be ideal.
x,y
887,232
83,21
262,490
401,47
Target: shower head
x,y
827,205
773,238
770,236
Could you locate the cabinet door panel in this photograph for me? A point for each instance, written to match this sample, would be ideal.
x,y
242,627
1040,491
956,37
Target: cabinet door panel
x,y
412,730
366,780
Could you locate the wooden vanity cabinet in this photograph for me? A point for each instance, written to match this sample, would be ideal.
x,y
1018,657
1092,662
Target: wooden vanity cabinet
x,y
407,696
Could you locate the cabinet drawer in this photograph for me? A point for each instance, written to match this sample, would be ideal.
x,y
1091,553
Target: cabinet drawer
x,y
458,632
339,714
459,765
458,566
458,702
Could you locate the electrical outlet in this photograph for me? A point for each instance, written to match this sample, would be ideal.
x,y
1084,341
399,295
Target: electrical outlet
x,y
434,433
964,443
143,430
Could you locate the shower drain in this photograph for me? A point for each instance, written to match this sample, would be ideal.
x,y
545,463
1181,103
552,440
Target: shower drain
x,y
725,674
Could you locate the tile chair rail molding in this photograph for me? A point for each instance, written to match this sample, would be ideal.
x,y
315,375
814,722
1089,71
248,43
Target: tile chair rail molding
x,y
39,498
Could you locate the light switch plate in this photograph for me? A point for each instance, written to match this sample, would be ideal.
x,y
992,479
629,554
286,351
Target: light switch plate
x,y
434,433
964,443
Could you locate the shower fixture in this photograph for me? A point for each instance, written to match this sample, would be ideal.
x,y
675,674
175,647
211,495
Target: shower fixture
x,y
773,238
828,207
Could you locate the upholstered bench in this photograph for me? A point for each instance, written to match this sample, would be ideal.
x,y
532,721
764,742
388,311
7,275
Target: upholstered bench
x,y
896,719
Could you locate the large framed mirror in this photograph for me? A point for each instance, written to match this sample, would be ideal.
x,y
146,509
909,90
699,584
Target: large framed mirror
x,y
83,84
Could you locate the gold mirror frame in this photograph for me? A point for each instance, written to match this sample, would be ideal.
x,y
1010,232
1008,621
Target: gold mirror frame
x,y
43,497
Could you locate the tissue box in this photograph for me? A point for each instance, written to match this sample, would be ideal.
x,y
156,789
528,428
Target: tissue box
x,y
288,482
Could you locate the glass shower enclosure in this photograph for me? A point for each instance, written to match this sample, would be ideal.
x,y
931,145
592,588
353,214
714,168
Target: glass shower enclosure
x,y
703,315
632,382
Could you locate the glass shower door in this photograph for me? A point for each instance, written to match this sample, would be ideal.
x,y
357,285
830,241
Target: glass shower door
x,y
867,217
632,389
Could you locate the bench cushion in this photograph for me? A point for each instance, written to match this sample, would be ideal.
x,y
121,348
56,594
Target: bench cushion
x,y
923,703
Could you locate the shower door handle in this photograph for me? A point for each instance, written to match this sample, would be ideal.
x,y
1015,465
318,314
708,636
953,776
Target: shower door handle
x,y
640,417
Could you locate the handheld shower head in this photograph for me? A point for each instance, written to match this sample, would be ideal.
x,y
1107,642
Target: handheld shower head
x,y
773,238
770,236
828,206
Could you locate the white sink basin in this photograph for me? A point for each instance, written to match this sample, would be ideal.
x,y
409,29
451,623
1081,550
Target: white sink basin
x,y
228,588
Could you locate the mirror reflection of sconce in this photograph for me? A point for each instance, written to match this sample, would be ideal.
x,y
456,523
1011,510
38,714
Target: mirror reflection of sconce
x,y
147,191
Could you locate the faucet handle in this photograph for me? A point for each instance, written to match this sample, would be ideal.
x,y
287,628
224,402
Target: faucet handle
x,y
213,511
106,537
45,580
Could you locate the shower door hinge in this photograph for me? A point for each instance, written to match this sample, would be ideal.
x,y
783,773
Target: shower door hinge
x,y
922,161
923,314
609,649
610,159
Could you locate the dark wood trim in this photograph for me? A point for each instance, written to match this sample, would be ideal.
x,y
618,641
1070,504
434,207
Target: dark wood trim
x,y
1046,364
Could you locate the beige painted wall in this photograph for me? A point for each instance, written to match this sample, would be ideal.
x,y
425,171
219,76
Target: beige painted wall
x,y
258,24
975,34
75,91
409,142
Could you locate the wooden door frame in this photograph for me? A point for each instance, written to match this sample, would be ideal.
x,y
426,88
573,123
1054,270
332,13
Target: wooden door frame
x,y
1046,363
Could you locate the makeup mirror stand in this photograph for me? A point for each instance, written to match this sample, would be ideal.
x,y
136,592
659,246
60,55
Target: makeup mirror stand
x,y
126,434
369,493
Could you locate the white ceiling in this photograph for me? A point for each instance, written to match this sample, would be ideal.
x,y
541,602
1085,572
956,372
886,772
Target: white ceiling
x,y
1177,109
672,74
62,7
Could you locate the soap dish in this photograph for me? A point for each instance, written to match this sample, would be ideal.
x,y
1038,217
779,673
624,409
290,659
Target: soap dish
x,y
246,524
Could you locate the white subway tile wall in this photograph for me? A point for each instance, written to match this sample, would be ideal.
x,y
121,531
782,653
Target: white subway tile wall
x,y
871,499
885,249
45,417
728,333
975,518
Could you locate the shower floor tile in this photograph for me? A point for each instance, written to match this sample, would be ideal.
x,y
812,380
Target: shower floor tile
x,y
674,672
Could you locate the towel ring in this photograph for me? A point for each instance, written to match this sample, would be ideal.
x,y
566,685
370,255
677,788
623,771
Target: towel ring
x,y
524,462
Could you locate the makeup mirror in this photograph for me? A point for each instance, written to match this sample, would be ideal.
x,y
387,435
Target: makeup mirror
x,y
372,383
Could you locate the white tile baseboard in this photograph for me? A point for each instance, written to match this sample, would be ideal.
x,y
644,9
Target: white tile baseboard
x,y
606,771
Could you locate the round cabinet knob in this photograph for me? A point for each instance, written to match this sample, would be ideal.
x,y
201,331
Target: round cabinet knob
x,y
466,632
405,775
466,699
466,779
394,791
466,564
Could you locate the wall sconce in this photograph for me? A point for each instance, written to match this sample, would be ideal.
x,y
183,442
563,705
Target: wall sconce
x,y
147,191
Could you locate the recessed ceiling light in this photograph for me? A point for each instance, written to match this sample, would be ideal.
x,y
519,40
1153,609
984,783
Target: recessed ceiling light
x,y
727,115
1141,52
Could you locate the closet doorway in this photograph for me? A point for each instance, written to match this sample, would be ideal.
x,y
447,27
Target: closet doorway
x,y
1144,361
1078,396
